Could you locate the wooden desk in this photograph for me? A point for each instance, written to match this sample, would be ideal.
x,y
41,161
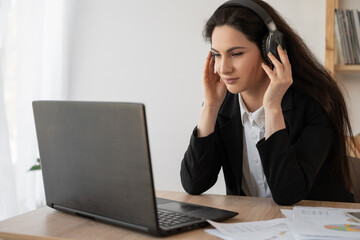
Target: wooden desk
x,y
48,222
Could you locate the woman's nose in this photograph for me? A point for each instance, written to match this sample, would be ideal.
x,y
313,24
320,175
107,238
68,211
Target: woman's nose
x,y
225,66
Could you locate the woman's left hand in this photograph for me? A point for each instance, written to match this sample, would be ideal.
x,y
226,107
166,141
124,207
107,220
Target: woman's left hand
x,y
280,79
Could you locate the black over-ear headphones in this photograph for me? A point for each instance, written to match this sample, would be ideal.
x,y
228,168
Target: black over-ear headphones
x,y
274,37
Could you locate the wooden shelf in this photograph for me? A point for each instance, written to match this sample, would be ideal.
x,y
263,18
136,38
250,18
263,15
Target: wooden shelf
x,y
330,48
347,68
330,51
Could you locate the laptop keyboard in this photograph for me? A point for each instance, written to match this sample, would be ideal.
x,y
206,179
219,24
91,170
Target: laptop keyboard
x,y
168,218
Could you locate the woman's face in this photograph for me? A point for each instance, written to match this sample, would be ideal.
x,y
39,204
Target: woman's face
x,y
238,61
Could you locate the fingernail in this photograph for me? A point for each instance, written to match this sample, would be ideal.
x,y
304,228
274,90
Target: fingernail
x,y
270,54
279,46
285,51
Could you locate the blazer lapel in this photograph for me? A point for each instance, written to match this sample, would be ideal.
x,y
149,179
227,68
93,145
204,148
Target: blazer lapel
x,y
232,134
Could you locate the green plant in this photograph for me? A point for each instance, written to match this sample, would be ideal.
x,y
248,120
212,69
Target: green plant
x,y
36,166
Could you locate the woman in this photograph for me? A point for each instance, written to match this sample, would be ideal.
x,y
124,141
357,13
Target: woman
x,y
277,128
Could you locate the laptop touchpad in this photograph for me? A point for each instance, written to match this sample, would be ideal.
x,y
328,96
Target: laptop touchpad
x,y
179,207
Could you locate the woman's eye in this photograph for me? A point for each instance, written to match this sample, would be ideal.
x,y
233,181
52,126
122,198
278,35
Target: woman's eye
x,y
237,54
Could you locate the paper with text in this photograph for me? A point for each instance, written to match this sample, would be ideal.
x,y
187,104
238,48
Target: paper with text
x,y
323,223
260,230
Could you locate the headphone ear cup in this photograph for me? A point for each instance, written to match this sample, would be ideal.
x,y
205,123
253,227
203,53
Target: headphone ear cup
x,y
264,50
270,44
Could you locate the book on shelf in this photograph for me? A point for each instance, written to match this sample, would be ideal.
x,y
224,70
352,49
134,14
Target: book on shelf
x,y
347,36
340,43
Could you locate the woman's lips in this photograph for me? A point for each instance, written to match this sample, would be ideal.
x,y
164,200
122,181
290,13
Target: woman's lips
x,y
230,80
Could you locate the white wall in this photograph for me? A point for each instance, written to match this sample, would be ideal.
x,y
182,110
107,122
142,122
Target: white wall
x,y
153,52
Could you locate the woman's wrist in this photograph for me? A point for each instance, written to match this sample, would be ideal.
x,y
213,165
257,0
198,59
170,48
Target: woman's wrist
x,y
211,106
272,107
207,120
274,119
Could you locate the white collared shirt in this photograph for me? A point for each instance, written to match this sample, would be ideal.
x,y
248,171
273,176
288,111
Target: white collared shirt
x,y
253,179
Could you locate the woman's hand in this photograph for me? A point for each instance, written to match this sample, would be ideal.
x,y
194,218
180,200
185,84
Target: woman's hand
x,y
214,95
214,89
280,79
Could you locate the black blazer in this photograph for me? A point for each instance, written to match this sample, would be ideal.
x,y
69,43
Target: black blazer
x,y
295,160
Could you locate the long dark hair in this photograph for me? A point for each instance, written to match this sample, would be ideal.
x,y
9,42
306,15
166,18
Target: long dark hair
x,y
309,75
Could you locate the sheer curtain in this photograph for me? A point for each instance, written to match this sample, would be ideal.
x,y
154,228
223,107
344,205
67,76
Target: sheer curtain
x,y
33,66
7,177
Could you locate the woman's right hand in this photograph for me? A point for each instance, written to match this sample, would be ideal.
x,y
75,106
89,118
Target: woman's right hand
x,y
214,95
214,89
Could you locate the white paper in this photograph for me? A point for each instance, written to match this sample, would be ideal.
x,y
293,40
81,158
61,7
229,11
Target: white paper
x,y
287,213
301,223
323,223
218,234
260,230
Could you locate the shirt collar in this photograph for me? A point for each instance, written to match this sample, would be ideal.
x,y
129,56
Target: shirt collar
x,y
258,116
243,110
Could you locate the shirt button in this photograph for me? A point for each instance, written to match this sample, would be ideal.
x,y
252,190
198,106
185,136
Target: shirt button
x,y
256,160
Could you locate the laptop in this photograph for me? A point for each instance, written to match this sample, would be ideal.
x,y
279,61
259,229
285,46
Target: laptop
x,y
95,161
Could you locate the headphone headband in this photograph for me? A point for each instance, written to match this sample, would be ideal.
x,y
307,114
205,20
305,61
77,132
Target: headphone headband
x,y
254,7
